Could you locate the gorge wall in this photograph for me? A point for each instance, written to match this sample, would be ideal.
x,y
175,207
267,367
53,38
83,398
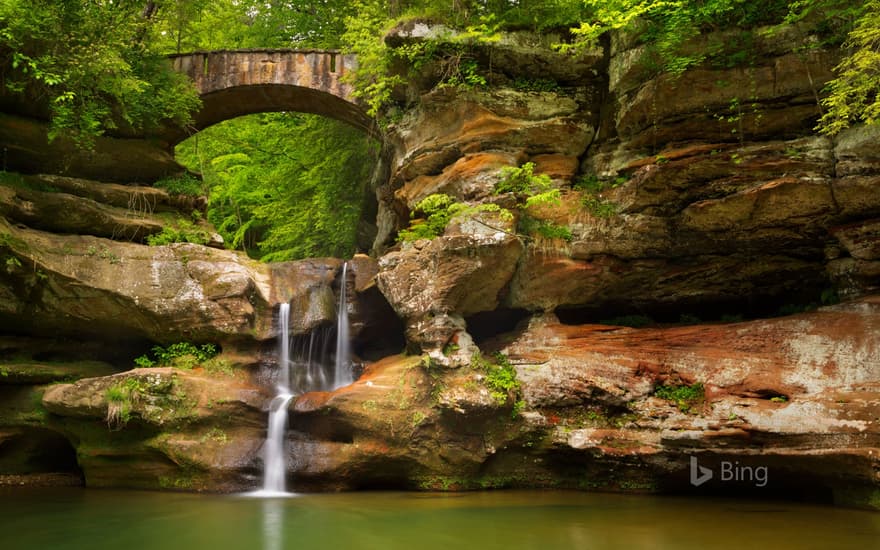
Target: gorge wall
x,y
703,205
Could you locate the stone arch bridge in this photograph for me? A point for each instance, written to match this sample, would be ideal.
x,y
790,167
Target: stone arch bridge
x,y
232,83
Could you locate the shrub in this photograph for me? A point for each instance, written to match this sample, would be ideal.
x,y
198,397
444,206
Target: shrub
x,y
683,396
182,355
438,210
500,376
185,184
184,232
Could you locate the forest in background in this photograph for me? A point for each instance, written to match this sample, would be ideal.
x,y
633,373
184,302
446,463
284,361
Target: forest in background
x,y
286,186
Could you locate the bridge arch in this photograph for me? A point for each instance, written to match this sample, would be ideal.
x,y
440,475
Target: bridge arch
x,y
233,83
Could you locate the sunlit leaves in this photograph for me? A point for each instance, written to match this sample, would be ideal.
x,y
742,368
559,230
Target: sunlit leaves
x,y
283,185
855,94
95,65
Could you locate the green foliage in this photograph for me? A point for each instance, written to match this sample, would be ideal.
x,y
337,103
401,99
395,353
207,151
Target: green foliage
x,y
524,84
189,25
453,55
854,95
284,186
518,408
684,397
462,73
599,207
500,376
182,355
450,348
184,184
96,65
529,225
218,366
144,362
417,418
120,399
12,263
438,209
666,26
591,186
523,181
183,231
216,435
532,190
373,82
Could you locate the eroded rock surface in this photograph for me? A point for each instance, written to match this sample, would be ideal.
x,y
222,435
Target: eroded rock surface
x,y
162,428
799,395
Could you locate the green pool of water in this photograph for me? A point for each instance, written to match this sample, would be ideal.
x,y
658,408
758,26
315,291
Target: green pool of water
x,y
95,519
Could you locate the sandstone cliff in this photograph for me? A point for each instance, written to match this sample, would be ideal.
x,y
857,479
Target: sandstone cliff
x,y
703,206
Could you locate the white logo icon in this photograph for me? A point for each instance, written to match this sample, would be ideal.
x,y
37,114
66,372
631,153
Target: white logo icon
x,y
699,474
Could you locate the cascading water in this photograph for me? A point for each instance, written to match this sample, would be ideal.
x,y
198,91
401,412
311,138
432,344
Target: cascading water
x,y
275,467
301,369
342,375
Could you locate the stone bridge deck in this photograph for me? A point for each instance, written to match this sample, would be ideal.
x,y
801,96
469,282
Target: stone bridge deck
x,y
232,83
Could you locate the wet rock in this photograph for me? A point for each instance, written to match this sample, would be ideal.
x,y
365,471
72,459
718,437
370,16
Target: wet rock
x,y
162,428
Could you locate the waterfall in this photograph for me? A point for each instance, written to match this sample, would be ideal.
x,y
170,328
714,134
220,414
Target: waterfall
x,y
342,375
274,465
301,369
273,452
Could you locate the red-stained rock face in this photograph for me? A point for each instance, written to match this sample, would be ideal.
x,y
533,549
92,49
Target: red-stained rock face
x,y
799,395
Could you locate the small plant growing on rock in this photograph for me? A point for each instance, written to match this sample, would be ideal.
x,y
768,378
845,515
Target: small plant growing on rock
x,y
500,376
685,397
184,231
530,190
524,183
544,228
182,185
591,186
182,355
438,209
524,84
120,399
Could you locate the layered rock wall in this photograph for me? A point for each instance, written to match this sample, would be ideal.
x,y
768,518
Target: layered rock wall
x,y
705,201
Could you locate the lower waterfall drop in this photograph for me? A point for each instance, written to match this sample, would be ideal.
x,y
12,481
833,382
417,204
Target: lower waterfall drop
x,y
274,464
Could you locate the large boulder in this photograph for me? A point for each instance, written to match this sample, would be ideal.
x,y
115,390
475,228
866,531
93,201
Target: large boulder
x,y
162,428
55,285
433,284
